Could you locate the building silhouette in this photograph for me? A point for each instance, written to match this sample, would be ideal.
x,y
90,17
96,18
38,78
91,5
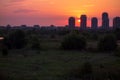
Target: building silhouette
x,y
8,26
116,22
105,20
83,22
94,23
71,22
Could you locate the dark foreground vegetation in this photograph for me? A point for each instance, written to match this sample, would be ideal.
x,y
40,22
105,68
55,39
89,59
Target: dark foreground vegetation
x,y
59,55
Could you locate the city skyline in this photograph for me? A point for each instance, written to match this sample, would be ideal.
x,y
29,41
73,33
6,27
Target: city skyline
x,y
94,22
105,24
45,12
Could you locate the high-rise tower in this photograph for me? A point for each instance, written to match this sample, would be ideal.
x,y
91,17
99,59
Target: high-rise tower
x,y
105,20
71,22
83,22
116,22
94,23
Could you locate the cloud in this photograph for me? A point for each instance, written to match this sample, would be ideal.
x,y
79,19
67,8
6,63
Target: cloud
x,y
24,11
89,5
17,0
47,1
9,3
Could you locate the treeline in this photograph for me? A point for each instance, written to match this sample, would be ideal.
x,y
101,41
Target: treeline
x,y
78,42
17,39
70,40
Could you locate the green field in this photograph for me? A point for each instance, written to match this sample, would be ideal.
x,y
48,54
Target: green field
x,y
51,63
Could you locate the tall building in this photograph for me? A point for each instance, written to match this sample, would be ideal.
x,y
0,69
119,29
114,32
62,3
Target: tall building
x,y
71,22
105,20
94,23
116,22
83,22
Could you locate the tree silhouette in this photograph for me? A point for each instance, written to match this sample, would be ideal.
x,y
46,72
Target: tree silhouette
x,y
16,39
73,42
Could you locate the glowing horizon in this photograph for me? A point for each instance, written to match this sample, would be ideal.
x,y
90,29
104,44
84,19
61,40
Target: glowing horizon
x,y
45,12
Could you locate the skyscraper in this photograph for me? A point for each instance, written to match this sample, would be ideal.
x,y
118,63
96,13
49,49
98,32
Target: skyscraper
x,y
116,22
94,23
71,22
83,22
105,20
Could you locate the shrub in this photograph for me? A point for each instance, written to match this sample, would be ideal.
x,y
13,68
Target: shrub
x,y
16,39
73,42
107,43
84,72
117,33
4,51
117,52
94,36
86,68
35,43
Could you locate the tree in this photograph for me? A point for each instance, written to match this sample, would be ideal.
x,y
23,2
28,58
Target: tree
x,y
3,47
107,43
73,42
117,33
35,42
16,39
4,51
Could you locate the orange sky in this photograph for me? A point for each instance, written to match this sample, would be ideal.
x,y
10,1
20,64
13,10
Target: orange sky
x,y
47,12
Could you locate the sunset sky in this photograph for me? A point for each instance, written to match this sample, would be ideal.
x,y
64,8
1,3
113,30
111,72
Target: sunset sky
x,y
57,12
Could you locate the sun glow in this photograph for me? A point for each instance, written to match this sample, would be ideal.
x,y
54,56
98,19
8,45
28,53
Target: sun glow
x,y
78,20
47,12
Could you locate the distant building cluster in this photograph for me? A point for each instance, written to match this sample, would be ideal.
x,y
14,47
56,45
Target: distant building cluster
x,y
83,22
94,22
71,24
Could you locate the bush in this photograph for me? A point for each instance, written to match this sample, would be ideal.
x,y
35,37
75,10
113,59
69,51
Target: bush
x,y
16,39
117,33
117,52
35,43
107,43
73,42
84,72
86,68
4,51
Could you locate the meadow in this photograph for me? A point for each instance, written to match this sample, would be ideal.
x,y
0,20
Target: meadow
x,y
52,63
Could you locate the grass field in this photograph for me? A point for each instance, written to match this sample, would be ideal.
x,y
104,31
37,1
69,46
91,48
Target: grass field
x,y
51,63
